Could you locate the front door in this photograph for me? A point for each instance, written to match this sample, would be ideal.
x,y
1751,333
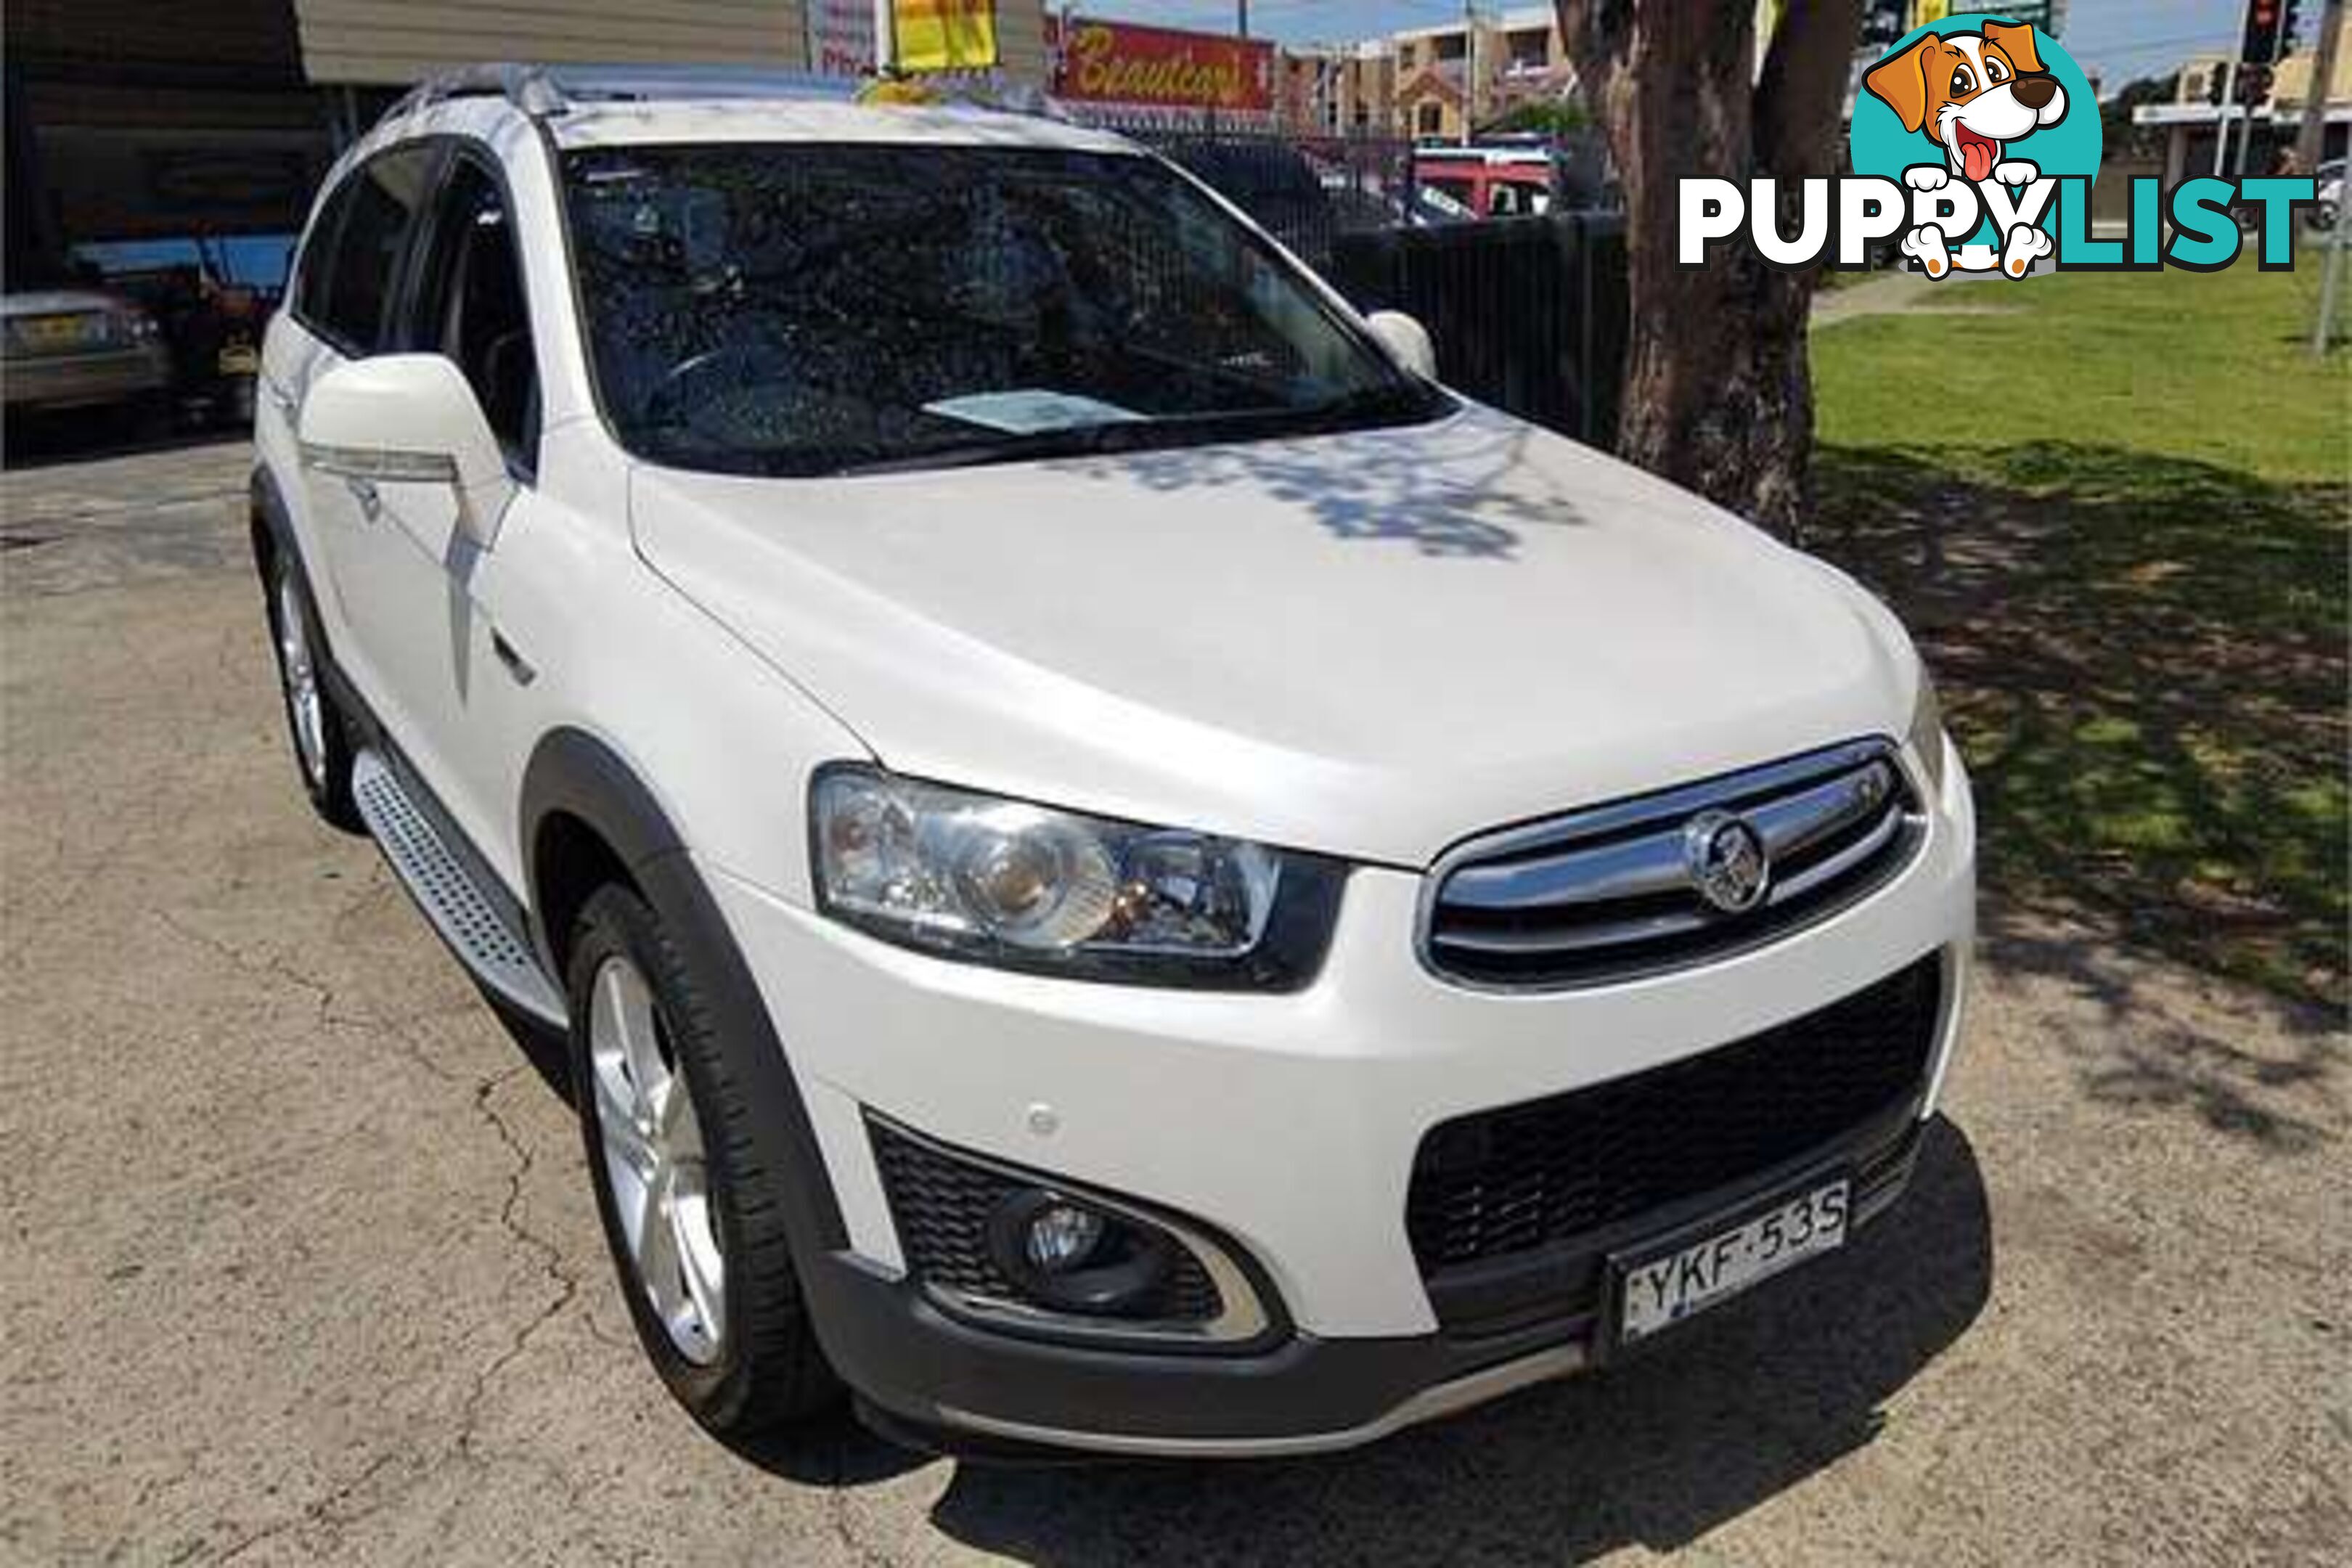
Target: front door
x,y
435,587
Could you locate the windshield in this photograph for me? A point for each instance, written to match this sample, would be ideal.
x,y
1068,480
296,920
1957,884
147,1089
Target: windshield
x,y
822,308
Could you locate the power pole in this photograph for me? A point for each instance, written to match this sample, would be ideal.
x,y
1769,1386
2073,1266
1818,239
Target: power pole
x,y
2331,279
1240,17
1469,69
2311,143
2221,126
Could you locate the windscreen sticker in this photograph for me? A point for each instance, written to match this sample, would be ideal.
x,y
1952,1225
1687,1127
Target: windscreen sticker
x,y
1031,409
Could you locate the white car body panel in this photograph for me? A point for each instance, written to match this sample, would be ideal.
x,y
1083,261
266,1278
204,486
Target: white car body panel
x,y
1366,645
1218,1105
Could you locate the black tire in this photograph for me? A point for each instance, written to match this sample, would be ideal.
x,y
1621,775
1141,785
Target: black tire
x,y
768,1369
328,789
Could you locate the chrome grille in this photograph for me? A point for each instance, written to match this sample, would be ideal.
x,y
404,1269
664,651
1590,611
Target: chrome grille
x,y
1609,892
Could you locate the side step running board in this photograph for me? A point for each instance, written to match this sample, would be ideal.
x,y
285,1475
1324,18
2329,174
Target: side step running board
x,y
489,940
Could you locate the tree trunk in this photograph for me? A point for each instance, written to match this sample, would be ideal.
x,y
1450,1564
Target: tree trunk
x,y
1718,388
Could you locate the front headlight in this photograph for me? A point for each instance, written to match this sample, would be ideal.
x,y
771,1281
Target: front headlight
x,y
1926,737
1026,886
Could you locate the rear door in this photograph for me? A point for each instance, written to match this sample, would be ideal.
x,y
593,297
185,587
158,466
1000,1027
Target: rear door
x,y
346,306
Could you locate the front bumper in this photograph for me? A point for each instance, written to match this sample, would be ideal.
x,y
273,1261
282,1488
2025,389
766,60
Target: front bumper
x,y
946,1382
1286,1123
64,381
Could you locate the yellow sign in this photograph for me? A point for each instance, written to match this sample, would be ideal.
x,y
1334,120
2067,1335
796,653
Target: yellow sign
x,y
943,35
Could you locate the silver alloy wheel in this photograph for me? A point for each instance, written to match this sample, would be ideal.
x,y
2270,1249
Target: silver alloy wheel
x,y
653,1166
301,673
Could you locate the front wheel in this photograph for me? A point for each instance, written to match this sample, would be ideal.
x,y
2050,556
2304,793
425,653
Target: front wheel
x,y
691,1214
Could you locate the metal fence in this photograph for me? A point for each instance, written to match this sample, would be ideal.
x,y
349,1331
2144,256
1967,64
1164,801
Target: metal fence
x,y
1307,192
1528,315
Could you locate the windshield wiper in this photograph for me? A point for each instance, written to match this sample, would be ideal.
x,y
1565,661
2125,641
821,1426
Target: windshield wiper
x,y
1379,403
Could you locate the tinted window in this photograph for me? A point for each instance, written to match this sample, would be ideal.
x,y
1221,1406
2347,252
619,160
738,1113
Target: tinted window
x,y
472,306
810,309
313,271
375,214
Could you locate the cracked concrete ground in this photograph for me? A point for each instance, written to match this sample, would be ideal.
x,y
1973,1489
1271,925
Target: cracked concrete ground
x,y
301,1266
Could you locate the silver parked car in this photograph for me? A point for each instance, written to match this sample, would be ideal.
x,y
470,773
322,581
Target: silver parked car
x,y
73,347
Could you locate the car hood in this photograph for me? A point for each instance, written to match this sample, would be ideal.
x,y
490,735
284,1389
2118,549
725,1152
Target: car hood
x,y
1370,644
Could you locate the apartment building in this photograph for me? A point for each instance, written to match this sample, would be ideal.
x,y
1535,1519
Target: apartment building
x,y
1437,82
1344,89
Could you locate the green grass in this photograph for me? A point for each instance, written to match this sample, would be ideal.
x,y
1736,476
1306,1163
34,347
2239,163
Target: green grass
x,y
2214,366
2119,517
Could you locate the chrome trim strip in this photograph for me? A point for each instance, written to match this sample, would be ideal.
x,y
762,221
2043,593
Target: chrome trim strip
x,y
384,465
1675,801
1614,934
1242,1319
1634,868
1793,823
1829,795
1653,864
1846,859
1429,1404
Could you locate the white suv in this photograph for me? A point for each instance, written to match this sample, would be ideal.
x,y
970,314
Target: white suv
x,y
1122,871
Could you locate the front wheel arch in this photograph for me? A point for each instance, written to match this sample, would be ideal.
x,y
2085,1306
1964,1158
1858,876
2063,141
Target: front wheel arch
x,y
580,796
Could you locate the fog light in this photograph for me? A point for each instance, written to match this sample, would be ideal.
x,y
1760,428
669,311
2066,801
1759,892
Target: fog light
x,y
1069,1255
1061,1237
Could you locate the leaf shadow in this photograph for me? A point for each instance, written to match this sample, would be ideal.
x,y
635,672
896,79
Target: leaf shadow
x,y
1466,491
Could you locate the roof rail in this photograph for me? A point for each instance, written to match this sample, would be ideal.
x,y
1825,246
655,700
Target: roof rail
x,y
541,90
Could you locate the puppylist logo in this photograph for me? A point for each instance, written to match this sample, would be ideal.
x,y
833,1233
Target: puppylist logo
x,y
1975,144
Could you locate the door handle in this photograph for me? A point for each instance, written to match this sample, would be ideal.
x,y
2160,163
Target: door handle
x,y
284,401
365,492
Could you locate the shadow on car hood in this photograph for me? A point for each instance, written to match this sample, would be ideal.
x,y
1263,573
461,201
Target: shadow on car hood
x,y
1369,644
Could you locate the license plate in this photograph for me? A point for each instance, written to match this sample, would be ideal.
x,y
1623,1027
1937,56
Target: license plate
x,y
1660,1291
240,359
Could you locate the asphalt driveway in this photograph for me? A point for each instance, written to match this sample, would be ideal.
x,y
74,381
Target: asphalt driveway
x,y
302,1263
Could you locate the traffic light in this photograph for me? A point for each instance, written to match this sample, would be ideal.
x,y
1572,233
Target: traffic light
x,y
2253,85
2217,82
2265,28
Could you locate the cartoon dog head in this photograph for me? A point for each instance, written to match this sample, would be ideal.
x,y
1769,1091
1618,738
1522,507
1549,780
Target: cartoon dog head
x,y
1970,92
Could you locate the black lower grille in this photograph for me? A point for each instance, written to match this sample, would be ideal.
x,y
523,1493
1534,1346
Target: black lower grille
x,y
1532,1175
941,1207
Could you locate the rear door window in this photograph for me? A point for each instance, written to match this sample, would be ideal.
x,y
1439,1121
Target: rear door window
x,y
347,295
